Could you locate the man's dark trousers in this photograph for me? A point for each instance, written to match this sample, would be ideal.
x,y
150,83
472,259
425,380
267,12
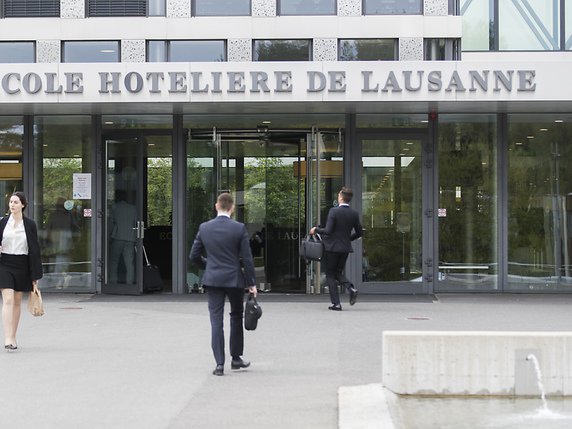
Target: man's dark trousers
x,y
216,297
335,264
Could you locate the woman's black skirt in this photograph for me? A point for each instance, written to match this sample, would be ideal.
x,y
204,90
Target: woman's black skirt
x,y
15,272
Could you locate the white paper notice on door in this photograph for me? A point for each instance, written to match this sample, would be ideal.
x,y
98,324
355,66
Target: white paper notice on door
x,y
82,186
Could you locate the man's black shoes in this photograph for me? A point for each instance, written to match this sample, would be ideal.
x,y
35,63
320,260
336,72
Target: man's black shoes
x,y
238,363
219,370
353,295
335,307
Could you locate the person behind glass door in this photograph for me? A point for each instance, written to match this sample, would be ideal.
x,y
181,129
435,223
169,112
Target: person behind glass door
x,y
20,264
342,227
123,220
225,243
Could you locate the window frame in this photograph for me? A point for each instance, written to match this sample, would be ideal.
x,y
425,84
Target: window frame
x,y
310,49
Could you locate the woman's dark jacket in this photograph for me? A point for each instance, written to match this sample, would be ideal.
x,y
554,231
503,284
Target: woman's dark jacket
x,y
34,257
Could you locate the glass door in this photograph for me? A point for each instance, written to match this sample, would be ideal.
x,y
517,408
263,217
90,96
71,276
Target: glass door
x,y
265,172
395,214
138,211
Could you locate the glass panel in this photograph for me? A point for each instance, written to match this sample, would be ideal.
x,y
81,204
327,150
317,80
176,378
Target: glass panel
x,y
467,210
122,122
156,51
539,202
122,205
532,25
159,204
478,24
156,8
367,50
568,27
307,7
392,210
222,7
11,144
392,7
282,50
63,149
197,50
391,121
91,52
17,52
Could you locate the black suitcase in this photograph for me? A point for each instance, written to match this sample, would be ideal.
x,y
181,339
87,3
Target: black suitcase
x,y
152,280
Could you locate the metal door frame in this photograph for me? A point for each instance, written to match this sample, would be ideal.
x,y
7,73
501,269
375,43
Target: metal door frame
x,y
428,204
138,135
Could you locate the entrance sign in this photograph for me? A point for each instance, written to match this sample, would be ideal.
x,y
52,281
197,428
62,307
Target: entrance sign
x,y
278,81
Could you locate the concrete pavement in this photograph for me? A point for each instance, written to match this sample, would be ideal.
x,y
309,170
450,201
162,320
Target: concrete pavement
x,y
145,362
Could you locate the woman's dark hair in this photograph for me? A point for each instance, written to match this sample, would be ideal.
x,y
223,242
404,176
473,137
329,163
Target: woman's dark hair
x,y
22,197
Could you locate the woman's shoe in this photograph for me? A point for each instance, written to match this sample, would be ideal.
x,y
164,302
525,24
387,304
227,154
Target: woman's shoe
x,y
10,347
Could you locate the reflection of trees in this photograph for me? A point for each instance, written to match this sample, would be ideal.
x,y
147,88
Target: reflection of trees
x,y
466,166
159,191
354,50
279,188
283,50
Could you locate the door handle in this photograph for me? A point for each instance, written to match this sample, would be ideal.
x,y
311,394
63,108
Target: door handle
x,y
140,228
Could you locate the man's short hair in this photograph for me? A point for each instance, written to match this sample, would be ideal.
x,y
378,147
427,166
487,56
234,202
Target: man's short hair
x,y
347,194
225,201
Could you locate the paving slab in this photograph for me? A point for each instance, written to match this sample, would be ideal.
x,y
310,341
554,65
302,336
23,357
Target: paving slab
x,y
145,362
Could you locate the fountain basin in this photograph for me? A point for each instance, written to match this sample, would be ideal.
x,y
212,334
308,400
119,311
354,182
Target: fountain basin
x,y
476,363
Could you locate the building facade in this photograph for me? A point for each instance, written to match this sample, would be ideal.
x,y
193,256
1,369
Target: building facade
x,y
451,120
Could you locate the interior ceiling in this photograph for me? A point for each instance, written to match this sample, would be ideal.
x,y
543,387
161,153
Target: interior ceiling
x,y
286,107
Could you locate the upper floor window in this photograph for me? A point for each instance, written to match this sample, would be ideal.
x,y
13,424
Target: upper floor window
x,y
91,52
392,7
367,50
306,7
117,8
516,25
282,50
30,8
221,7
157,8
442,49
17,52
186,51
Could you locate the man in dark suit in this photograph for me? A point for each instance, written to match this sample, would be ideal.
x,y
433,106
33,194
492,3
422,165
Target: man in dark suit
x,y
342,227
225,242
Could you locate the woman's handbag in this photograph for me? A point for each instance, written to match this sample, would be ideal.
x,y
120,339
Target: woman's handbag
x,y
252,312
35,304
312,248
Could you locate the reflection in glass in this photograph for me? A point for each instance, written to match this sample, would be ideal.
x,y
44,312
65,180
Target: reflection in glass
x,y
221,7
307,7
282,50
197,50
467,210
156,51
539,203
17,52
441,49
367,50
156,8
63,148
91,52
392,121
478,25
393,7
11,158
535,27
568,27
392,210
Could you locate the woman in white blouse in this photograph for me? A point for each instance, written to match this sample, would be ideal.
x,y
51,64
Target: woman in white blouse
x,y
20,264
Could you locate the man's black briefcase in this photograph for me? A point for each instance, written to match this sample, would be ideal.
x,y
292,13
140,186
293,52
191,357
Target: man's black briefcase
x,y
312,248
252,312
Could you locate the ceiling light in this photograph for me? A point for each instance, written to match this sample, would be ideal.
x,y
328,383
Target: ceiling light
x,y
107,51
544,129
108,122
529,137
558,121
518,143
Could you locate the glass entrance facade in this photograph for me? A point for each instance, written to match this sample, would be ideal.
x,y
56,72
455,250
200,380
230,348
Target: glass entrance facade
x,y
454,203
